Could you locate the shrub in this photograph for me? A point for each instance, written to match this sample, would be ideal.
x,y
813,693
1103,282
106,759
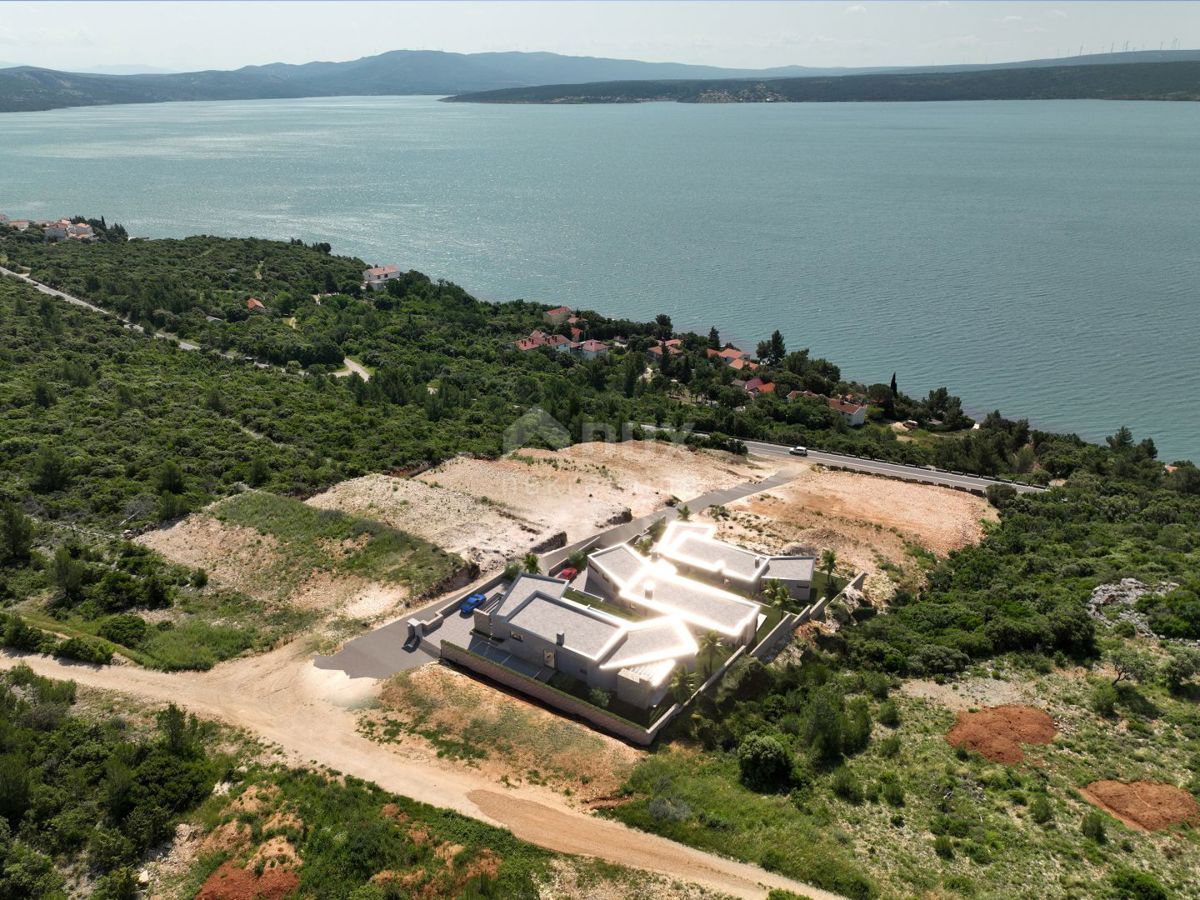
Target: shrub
x,y
85,651
1104,700
1093,827
1040,810
1130,884
764,762
126,629
846,786
889,747
889,714
893,793
943,847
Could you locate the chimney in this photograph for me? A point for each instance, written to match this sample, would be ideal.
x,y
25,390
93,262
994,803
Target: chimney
x,y
560,638
649,590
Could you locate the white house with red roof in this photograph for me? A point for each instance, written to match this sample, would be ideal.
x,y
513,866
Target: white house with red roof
x,y
377,277
590,349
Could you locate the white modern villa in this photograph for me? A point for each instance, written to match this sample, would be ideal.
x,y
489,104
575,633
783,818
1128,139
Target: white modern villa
x,y
538,623
693,548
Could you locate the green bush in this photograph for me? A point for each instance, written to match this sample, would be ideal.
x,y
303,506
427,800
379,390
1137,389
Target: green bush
x,y
1040,810
889,714
126,629
764,762
845,785
1093,827
1130,884
84,650
893,793
943,847
1104,700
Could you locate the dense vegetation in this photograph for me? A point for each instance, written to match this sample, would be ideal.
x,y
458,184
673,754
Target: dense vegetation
x,y
88,792
787,753
84,796
105,429
1137,81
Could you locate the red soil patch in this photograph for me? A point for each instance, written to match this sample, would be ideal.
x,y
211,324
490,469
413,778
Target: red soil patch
x,y
1144,805
232,882
997,733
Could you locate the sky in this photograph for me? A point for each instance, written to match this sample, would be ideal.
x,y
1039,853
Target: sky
x,y
85,36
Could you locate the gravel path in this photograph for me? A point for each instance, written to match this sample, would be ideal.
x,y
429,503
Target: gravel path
x,y
281,698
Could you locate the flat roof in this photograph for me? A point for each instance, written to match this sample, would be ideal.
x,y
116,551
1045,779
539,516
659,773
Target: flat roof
x,y
651,642
661,589
791,568
525,586
695,544
706,552
621,563
585,631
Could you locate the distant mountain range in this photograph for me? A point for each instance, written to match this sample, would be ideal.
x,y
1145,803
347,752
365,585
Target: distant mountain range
x,y
28,88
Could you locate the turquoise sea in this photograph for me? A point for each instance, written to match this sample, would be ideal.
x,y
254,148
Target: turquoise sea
x,y
1042,258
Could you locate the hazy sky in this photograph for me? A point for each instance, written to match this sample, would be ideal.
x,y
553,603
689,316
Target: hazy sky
x,y
182,36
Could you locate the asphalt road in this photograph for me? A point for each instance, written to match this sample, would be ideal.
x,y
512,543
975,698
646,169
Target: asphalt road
x,y
976,483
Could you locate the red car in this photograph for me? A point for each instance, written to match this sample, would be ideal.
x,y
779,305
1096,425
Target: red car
x,y
568,574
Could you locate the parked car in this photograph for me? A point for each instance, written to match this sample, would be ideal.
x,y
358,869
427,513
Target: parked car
x,y
472,603
568,574
799,451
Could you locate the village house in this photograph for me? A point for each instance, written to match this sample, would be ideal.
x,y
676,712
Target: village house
x,y
254,304
538,338
65,229
674,347
756,386
853,414
590,349
559,315
377,277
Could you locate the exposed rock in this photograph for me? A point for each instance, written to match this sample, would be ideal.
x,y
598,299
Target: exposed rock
x,y
1124,595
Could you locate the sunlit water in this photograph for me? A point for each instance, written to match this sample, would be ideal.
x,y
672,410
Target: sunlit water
x,y
1039,257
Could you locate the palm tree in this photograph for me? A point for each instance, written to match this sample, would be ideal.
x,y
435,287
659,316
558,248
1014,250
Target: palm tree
x,y
682,684
684,513
710,646
532,564
828,564
777,595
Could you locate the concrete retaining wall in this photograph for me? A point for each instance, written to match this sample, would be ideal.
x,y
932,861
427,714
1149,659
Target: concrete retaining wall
x,y
553,697
777,636
434,622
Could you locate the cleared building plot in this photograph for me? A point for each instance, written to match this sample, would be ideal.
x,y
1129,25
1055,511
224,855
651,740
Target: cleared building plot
x,y
485,533
582,488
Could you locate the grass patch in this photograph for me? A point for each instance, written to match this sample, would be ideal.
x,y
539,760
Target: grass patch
x,y
312,538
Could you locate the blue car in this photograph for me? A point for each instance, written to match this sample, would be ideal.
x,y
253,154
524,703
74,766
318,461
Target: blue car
x,y
469,605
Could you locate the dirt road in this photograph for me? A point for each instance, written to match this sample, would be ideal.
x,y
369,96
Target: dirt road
x,y
283,699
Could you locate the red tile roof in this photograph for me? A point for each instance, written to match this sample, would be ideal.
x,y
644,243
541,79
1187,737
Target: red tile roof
x,y
254,303
383,270
843,407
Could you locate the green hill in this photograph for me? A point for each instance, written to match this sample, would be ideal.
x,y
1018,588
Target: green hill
x,y
1129,81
